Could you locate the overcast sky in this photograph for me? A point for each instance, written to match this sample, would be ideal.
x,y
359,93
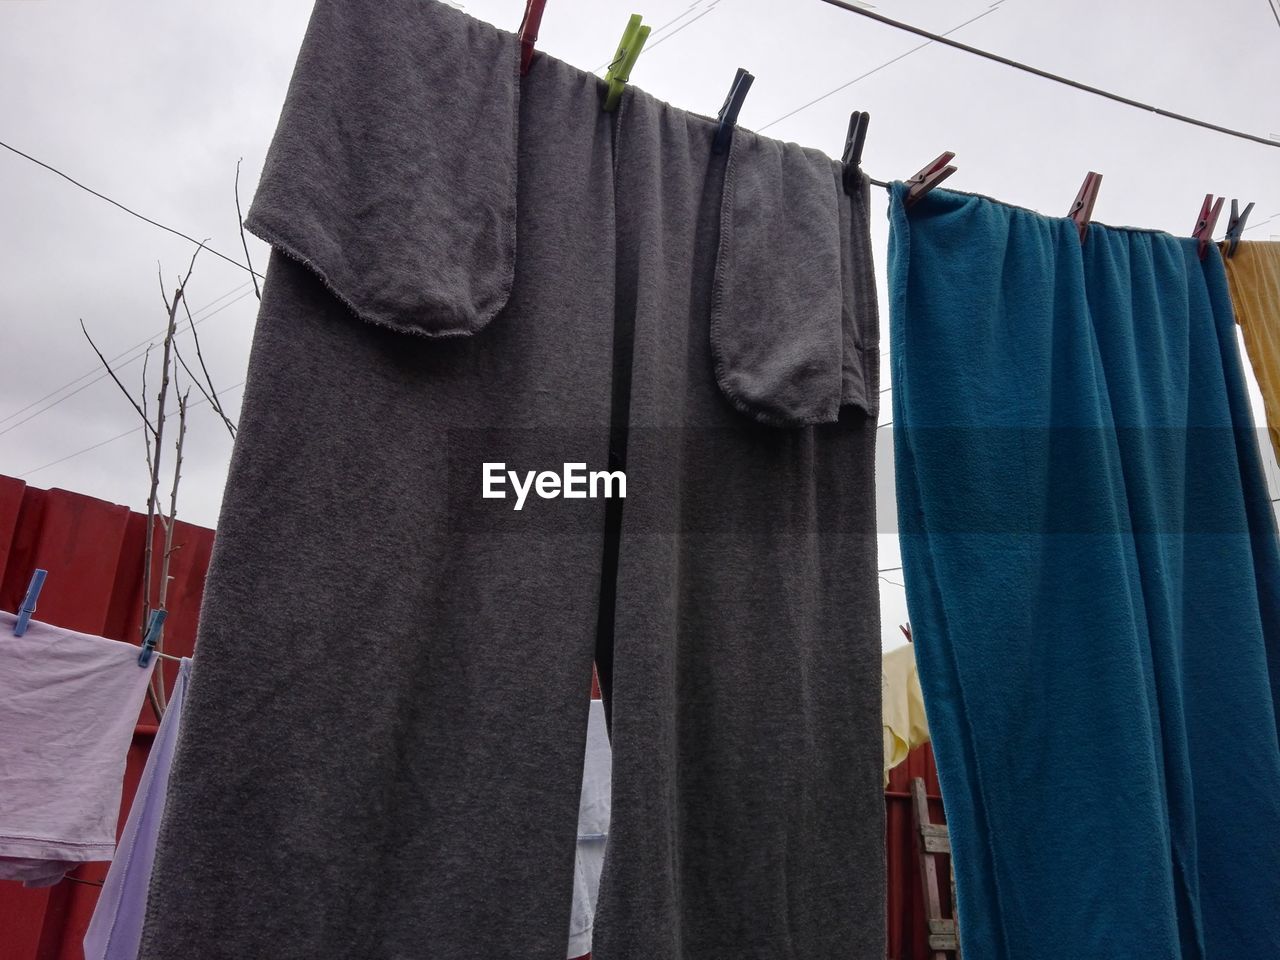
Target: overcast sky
x,y
152,104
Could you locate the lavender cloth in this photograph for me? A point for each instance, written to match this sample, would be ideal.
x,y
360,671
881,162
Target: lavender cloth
x,y
68,705
116,926
593,831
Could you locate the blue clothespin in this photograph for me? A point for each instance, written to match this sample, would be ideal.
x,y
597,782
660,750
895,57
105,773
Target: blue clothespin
x,y
28,606
154,626
728,115
853,142
1235,226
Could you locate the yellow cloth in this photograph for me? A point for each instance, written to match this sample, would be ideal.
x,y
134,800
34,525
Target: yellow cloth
x,y
905,726
1254,276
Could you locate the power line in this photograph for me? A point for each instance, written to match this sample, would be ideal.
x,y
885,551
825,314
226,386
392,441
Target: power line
x,y
98,370
1045,74
657,31
118,436
1275,9
103,375
860,77
117,203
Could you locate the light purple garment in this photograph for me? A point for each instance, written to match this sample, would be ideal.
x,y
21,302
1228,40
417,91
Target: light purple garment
x,y
593,831
68,705
116,926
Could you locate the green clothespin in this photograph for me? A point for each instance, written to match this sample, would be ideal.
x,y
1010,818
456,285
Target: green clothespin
x,y
624,60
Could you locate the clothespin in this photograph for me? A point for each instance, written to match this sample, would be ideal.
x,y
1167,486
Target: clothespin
x,y
853,141
529,32
1082,209
929,177
624,60
906,630
728,115
1206,222
152,637
1235,226
28,605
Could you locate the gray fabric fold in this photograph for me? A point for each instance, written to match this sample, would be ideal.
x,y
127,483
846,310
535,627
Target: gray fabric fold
x,y
401,200
791,337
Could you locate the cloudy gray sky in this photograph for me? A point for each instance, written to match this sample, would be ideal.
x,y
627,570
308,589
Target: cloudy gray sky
x,y
152,104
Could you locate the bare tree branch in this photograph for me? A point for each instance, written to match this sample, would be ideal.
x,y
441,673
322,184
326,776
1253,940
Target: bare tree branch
x,y
211,395
123,388
162,396
170,523
243,240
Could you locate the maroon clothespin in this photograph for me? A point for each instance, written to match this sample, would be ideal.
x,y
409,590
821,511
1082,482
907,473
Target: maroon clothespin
x,y
1082,210
906,630
529,32
928,178
1207,222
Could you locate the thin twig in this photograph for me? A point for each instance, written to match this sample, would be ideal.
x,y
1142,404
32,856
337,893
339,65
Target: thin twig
x,y
123,388
212,394
212,400
243,239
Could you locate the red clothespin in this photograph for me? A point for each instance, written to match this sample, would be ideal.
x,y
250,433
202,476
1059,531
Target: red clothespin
x,y
906,630
1206,222
1235,226
1082,210
928,178
529,32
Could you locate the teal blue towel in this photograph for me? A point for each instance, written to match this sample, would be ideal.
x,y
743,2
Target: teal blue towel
x,y
1092,575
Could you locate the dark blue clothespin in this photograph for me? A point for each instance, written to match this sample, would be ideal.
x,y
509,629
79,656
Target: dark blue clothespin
x,y
1206,222
1082,210
28,606
529,32
728,115
1235,226
853,142
149,642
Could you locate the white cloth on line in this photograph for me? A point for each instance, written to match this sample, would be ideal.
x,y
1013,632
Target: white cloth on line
x,y
68,706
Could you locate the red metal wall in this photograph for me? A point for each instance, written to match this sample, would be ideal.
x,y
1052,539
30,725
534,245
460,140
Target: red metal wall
x,y
93,551
908,939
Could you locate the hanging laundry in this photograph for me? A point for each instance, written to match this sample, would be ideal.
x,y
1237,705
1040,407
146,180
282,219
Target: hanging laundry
x,y
116,925
1253,273
68,704
472,269
593,832
905,726
1091,572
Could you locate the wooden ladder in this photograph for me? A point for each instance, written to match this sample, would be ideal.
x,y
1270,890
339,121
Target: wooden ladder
x,y
931,840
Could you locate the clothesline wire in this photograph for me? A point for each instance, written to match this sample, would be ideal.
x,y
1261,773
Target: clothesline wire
x,y
142,343
119,436
873,70
138,354
87,883
134,213
1046,75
